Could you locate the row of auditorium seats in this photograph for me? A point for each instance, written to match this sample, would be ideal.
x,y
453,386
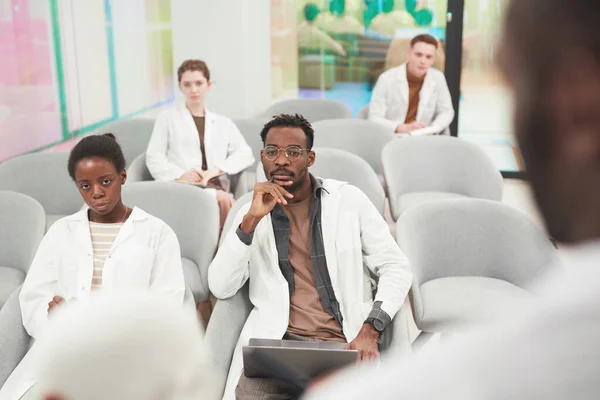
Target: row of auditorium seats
x,y
468,254
469,257
411,170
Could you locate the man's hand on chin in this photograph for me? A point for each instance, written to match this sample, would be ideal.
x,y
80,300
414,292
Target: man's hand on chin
x,y
365,342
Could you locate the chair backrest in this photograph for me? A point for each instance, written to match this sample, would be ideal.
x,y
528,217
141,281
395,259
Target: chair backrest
x,y
133,135
366,139
347,167
224,329
251,128
191,212
14,340
344,166
312,109
23,222
246,198
138,171
363,113
473,237
439,164
44,177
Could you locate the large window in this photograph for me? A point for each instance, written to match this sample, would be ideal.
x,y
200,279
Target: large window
x,y
30,116
69,66
343,46
485,104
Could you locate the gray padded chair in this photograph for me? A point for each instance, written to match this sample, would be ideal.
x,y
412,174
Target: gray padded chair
x,y
23,222
14,340
423,169
133,135
346,167
44,177
194,216
312,109
363,113
137,170
471,260
233,212
229,316
366,139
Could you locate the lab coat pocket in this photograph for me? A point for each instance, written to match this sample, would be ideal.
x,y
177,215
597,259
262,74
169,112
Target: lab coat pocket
x,y
69,277
348,233
134,267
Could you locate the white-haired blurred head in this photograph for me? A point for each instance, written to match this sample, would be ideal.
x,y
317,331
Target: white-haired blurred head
x,y
133,346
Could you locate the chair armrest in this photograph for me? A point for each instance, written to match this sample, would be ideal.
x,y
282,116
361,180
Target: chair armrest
x,y
396,338
224,329
14,340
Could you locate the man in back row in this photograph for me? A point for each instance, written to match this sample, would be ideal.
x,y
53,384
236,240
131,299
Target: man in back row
x,y
550,56
414,97
309,247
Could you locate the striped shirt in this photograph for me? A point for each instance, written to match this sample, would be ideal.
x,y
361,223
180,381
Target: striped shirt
x,y
103,236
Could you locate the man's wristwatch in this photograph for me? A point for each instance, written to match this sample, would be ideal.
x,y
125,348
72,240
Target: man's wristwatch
x,y
377,324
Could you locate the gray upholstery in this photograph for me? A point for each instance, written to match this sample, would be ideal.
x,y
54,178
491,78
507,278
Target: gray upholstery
x,y
137,170
465,300
408,200
438,164
10,278
14,340
346,167
233,212
23,223
312,109
193,214
250,128
229,316
363,113
133,135
44,177
224,329
469,259
366,139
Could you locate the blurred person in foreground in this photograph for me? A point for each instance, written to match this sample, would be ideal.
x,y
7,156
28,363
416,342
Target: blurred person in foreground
x,y
134,346
550,56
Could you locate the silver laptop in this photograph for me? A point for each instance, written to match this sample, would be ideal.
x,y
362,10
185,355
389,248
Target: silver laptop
x,y
293,360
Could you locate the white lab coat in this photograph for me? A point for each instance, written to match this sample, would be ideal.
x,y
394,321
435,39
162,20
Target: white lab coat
x,y
174,147
389,102
356,239
548,350
144,255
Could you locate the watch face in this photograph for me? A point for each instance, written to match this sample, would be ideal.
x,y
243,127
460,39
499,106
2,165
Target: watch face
x,y
378,325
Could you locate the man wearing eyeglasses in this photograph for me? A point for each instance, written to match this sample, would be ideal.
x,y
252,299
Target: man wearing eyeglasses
x,y
308,246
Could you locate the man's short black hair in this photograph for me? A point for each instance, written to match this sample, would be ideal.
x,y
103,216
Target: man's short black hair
x,y
290,121
103,146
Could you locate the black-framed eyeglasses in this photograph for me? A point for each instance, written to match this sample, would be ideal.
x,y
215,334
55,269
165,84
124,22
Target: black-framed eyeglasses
x,y
292,153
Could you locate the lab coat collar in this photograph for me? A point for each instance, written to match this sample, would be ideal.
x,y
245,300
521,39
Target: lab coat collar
x,y
136,215
210,116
